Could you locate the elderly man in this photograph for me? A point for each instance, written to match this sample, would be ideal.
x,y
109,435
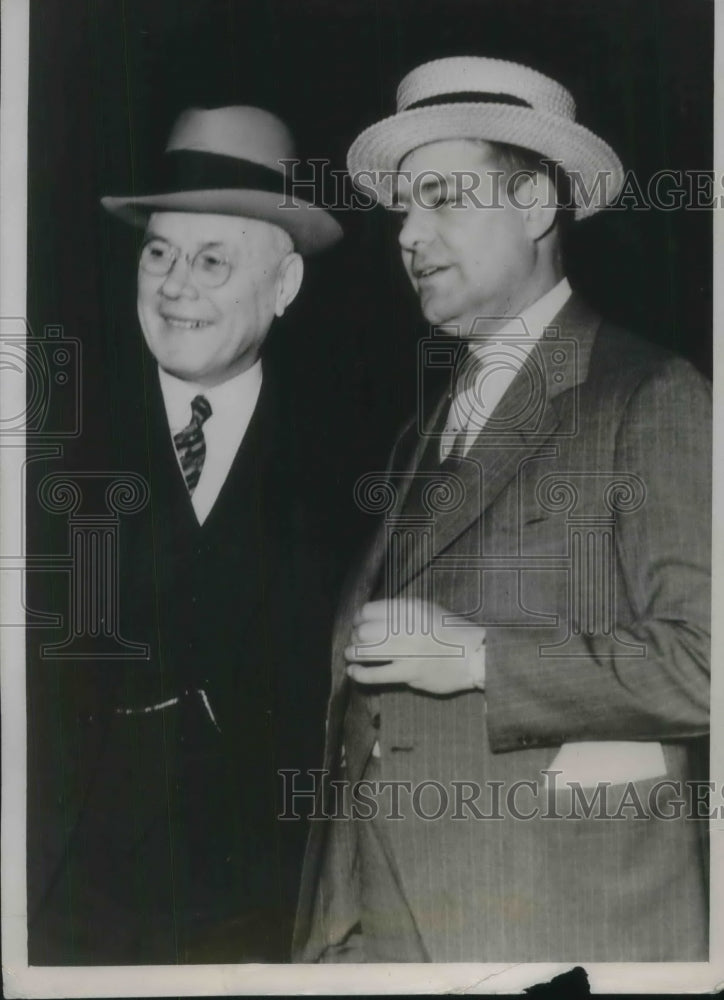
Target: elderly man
x,y
171,849
520,672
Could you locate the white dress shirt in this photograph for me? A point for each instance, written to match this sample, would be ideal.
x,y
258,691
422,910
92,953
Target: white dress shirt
x,y
506,351
232,406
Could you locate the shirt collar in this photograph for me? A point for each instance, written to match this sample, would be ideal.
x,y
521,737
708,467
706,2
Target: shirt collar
x,y
225,398
534,319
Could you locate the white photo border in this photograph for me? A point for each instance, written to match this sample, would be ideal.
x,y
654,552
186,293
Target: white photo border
x,y
20,980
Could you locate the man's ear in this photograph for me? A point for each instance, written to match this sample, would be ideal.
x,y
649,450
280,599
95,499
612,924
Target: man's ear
x,y
291,272
536,194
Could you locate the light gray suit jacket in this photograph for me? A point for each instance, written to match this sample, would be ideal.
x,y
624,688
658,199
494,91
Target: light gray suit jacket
x,y
577,531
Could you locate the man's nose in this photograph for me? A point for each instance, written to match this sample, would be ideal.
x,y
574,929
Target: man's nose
x,y
416,228
179,280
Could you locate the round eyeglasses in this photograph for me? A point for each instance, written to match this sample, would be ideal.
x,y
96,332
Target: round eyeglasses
x,y
209,268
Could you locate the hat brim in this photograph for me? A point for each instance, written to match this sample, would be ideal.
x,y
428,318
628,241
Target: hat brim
x,y
381,147
311,228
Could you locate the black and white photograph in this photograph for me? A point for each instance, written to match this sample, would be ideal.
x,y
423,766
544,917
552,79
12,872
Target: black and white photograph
x,y
359,389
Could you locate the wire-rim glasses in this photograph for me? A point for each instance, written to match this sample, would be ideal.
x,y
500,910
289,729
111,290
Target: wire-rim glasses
x,y
209,267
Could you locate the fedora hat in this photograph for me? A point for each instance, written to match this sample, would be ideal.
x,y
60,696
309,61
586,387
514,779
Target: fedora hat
x,y
469,97
228,161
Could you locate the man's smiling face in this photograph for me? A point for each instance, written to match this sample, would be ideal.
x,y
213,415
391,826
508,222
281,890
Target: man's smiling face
x,y
210,334
464,260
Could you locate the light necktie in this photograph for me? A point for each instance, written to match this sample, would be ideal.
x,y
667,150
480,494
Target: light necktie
x,y
190,443
467,406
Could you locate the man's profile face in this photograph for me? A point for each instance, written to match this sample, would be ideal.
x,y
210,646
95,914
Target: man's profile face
x,y
209,334
464,260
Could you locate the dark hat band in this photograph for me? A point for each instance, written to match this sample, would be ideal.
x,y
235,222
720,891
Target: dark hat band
x,y
469,97
193,170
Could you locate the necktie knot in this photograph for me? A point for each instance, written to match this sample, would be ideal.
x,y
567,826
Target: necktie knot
x,y
190,443
200,410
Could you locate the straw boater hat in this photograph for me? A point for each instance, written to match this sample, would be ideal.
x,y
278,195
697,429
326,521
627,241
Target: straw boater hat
x,y
227,161
468,97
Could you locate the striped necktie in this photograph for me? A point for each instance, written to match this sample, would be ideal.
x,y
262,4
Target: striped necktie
x,y
190,443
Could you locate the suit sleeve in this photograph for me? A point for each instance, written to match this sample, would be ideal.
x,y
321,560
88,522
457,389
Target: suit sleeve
x,y
663,551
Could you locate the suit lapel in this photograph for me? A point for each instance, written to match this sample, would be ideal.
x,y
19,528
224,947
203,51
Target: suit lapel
x,y
417,452
168,487
525,420
247,482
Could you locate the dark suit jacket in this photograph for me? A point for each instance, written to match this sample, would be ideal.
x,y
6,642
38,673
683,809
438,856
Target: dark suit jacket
x,y
153,834
580,539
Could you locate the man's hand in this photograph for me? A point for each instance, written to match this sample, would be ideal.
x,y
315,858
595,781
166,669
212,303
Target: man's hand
x,y
416,643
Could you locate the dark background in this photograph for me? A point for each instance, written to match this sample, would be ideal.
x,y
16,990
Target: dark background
x,y
108,77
